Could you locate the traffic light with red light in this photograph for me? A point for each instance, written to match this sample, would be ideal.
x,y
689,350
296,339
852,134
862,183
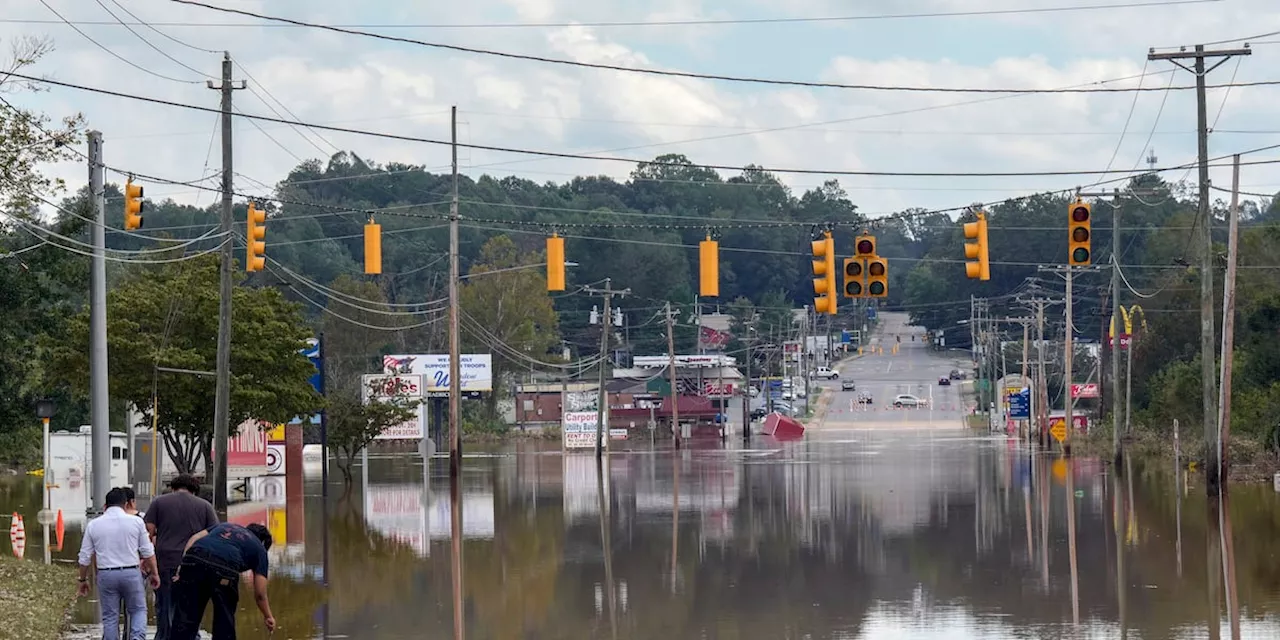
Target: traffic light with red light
x,y
824,271
1079,251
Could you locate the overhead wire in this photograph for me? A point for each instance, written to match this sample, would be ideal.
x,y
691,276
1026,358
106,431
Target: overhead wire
x,y
148,42
111,52
140,21
579,156
657,72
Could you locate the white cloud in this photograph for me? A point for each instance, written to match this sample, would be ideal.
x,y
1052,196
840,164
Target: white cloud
x,y
408,90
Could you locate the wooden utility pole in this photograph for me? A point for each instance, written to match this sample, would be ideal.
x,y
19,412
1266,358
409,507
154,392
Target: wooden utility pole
x,y
1116,328
606,328
671,372
1228,324
1207,353
222,387
455,342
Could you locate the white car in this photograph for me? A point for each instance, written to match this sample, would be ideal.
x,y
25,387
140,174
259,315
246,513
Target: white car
x,y
826,373
908,400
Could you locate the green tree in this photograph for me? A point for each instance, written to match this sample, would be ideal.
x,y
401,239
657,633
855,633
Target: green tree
x,y
354,424
506,310
168,317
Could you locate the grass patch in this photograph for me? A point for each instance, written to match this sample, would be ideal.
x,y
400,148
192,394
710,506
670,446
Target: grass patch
x,y
35,598
977,420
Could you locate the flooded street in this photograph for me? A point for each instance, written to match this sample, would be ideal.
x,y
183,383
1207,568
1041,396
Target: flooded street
x,y
848,534
879,523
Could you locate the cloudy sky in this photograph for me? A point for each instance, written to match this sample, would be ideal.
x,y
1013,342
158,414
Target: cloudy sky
x,y
406,89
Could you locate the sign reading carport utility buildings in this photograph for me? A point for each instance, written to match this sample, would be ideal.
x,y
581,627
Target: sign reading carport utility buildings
x,y
476,370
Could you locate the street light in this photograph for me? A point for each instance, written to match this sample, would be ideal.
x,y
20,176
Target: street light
x,y
45,409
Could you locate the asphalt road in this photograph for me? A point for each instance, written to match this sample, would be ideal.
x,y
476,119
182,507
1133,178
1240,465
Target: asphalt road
x,y
914,369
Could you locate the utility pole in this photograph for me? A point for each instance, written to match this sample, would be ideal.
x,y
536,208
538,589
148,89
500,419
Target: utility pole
x,y
222,388
455,342
1116,328
99,394
1026,353
746,390
671,372
1206,236
1228,324
606,327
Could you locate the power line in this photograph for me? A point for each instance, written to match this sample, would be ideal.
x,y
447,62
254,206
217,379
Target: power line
x,y
675,23
579,156
674,73
140,21
148,42
113,53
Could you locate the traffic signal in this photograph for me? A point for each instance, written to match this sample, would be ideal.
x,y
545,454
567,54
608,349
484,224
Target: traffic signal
x,y
855,271
255,248
864,246
824,270
709,268
132,205
977,250
555,263
1078,244
372,247
877,278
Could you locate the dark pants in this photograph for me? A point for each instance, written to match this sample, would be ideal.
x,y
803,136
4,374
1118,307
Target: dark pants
x,y
164,602
203,579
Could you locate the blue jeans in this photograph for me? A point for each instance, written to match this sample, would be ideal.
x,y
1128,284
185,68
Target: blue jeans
x,y
164,603
123,584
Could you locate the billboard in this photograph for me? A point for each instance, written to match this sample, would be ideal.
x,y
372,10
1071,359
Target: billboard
x,y
579,429
247,449
388,387
476,370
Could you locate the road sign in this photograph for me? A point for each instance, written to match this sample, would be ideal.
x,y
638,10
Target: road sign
x,y
1058,429
1020,404
1086,390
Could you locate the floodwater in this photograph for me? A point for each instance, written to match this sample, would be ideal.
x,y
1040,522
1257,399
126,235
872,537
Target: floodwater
x,y
846,534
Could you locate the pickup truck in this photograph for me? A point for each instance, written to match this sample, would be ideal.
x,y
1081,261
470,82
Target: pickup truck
x,y
825,372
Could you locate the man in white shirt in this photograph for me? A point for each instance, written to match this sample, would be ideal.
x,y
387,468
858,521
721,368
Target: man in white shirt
x,y
122,546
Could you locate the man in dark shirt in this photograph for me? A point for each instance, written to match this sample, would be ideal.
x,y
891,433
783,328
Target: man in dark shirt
x,y
171,520
211,570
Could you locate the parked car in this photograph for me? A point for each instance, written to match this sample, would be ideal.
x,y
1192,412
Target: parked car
x,y
826,373
944,381
759,413
847,385
907,400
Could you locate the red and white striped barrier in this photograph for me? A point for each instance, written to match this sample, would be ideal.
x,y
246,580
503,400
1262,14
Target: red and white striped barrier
x,y
18,535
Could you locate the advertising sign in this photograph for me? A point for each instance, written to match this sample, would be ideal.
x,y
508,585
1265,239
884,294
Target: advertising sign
x,y
248,447
1020,404
579,429
476,370
385,388
1086,390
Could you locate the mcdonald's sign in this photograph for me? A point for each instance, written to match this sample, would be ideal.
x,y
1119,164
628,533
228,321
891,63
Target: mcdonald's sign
x,y
1126,316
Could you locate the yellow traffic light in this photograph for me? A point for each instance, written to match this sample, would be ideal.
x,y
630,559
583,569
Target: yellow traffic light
x,y
372,247
709,268
555,263
977,250
855,275
877,278
1079,243
824,270
255,247
133,205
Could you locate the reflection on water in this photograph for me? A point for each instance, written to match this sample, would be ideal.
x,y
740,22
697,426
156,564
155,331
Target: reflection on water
x,y
876,535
